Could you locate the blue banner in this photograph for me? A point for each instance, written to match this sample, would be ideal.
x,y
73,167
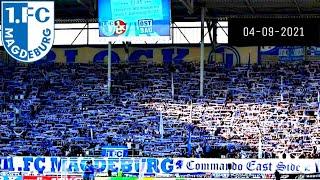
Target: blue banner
x,y
290,54
134,18
269,50
313,51
115,151
285,53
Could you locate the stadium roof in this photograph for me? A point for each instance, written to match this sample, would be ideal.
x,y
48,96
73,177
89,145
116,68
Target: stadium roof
x,y
222,9
189,10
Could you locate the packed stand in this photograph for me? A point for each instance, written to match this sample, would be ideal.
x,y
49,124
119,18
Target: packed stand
x,y
64,110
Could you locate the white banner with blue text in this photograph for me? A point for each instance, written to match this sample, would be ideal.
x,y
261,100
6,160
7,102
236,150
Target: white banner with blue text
x,y
128,165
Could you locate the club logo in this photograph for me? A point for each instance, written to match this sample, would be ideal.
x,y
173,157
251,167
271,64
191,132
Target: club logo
x,y
121,27
145,26
27,29
113,28
107,28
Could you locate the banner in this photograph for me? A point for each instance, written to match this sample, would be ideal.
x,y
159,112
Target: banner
x,y
164,55
284,53
290,54
313,51
114,151
162,166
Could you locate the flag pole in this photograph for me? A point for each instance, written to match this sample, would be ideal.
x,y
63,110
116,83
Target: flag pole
x,y
109,68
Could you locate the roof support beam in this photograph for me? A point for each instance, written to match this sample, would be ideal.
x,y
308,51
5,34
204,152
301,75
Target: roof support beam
x,y
297,6
89,7
95,4
189,5
83,4
250,7
209,26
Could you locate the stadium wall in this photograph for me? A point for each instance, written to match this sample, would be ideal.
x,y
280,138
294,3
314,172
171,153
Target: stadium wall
x,y
159,54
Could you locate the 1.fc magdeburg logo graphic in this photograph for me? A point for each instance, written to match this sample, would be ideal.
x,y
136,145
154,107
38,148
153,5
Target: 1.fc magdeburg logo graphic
x,y
27,29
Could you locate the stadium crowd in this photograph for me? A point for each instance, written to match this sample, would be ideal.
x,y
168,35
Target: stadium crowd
x,y
64,110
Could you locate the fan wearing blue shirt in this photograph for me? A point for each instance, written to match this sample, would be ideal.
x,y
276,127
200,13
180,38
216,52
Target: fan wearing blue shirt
x,y
91,168
89,171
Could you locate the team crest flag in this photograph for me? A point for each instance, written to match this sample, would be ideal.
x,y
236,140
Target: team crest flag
x,y
27,29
